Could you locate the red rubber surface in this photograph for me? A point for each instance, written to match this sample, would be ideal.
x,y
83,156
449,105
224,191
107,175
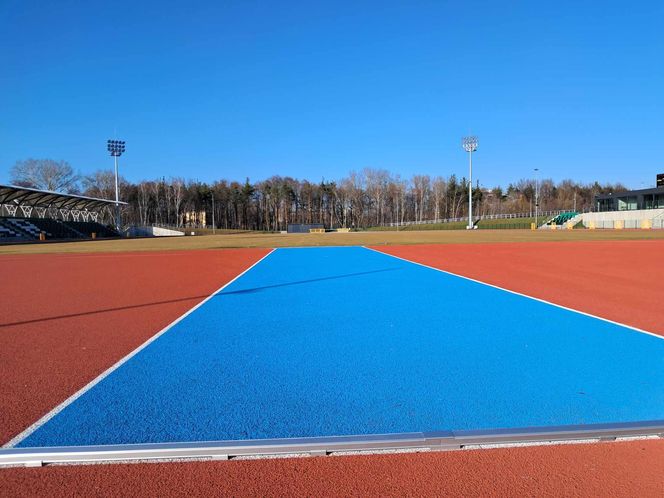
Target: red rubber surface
x,y
602,469
67,318
618,280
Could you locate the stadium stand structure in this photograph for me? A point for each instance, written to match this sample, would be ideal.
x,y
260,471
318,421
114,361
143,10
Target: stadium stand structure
x,y
27,214
31,228
562,218
11,231
632,209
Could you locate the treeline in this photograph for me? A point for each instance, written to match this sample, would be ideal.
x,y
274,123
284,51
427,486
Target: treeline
x,y
371,197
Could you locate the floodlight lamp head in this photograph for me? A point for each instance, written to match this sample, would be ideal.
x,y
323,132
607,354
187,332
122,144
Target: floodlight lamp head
x,y
115,147
469,143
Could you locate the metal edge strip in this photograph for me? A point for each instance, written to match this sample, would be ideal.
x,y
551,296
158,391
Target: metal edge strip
x,y
440,440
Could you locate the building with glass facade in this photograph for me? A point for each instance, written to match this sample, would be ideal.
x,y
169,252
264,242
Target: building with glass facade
x,y
650,198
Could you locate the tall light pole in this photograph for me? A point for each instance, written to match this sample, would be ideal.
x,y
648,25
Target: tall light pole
x,y
536,196
470,145
116,149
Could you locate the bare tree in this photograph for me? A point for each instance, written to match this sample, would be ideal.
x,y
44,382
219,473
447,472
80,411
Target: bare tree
x,y
101,184
439,188
45,174
155,191
422,192
360,200
143,202
178,197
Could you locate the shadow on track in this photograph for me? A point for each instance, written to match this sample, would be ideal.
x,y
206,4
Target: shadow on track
x,y
106,310
301,282
191,298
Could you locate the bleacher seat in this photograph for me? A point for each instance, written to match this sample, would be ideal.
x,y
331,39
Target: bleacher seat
x,y
87,228
30,229
10,231
25,226
563,218
54,228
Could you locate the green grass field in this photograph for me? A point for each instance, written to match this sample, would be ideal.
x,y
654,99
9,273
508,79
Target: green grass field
x,y
259,239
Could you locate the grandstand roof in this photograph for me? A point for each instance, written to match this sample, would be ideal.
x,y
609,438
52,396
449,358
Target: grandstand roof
x,y
13,194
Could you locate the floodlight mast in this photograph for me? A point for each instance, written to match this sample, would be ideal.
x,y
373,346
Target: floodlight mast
x,y
536,196
470,145
116,148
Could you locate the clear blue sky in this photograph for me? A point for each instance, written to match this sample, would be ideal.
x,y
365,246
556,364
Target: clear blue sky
x,y
310,89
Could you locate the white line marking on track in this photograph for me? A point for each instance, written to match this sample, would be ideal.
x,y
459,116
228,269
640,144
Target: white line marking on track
x,y
20,437
518,293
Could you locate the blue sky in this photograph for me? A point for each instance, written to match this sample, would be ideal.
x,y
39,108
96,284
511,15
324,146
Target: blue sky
x,y
210,90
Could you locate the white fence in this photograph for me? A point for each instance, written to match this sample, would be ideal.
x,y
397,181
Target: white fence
x,y
505,216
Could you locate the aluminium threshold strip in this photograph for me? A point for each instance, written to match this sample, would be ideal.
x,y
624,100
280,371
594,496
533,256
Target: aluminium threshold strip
x,y
223,450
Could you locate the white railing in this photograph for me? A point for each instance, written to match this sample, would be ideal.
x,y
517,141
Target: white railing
x,y
504,216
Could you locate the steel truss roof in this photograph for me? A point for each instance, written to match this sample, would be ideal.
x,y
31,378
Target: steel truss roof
x,y
25,196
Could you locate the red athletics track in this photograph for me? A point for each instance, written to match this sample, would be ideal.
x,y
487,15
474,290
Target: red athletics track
x,y
601,469
617,280
68,317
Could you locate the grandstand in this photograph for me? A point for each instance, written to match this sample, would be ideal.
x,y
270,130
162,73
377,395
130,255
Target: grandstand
x,y
28,214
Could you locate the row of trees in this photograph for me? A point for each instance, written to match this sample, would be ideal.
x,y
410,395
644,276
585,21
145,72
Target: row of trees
x,y
370,197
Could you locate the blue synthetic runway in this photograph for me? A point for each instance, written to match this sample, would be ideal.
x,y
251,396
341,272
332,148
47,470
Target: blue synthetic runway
x,y
345,341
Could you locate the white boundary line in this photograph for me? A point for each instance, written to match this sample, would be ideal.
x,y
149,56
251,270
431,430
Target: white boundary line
x,y
20,437
517,293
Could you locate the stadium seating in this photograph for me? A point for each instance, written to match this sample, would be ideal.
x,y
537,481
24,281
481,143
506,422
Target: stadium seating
x,y
87,228
29,229
11,231
54,229
562,218
22,228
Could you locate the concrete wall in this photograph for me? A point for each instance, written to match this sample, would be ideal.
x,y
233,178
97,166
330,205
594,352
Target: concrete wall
x,y
153,232
629,219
